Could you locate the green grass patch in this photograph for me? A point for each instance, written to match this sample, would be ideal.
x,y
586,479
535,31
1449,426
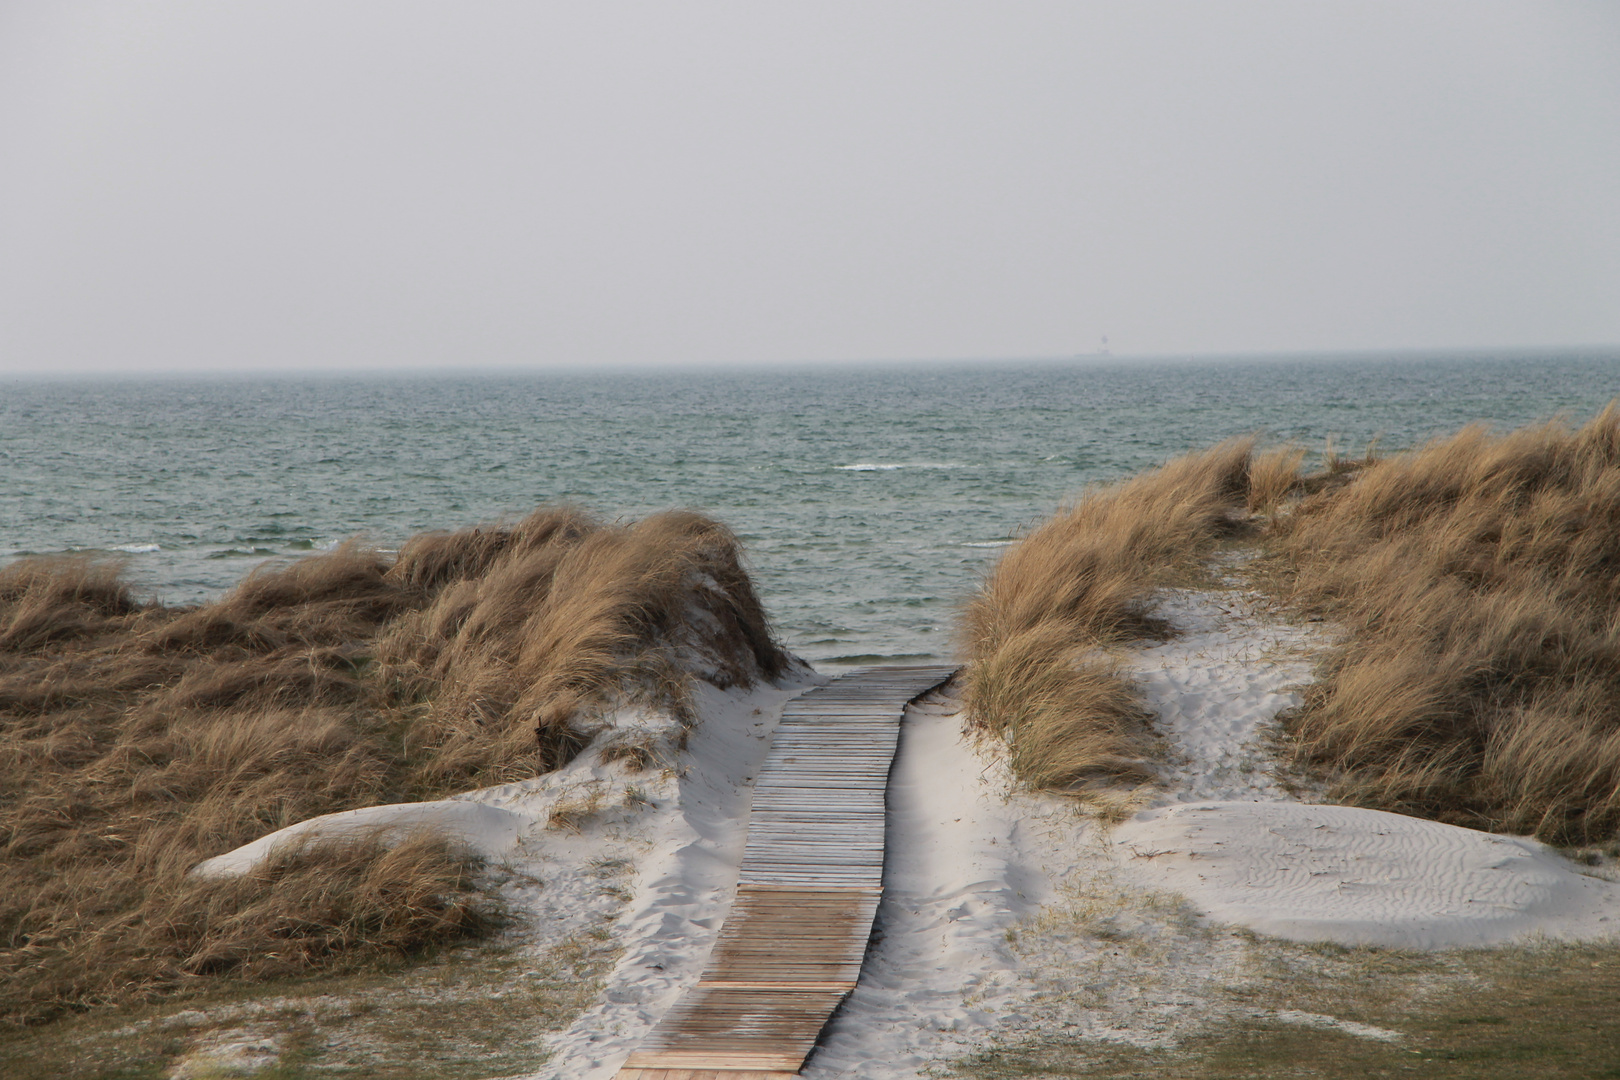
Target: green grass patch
x,y
1544,1011
466,1013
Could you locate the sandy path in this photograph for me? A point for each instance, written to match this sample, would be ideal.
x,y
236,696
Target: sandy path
x,y
940,974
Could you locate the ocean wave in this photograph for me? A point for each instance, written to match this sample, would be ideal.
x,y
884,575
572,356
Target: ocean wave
x,y
242,553
279,544
270,537
871,466
988,543
878,658
92,549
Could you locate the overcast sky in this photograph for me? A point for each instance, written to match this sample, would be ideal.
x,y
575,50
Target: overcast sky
x,y
210,186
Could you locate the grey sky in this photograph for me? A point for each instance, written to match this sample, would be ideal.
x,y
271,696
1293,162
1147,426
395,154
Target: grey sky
x,y
270,183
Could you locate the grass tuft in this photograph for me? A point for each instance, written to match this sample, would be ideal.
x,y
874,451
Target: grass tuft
x,y
48,600
1078,583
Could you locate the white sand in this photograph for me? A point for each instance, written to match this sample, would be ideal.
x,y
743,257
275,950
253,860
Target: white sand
x,y
1246,852
686,875
1216,689
956,878
488,829
1362,877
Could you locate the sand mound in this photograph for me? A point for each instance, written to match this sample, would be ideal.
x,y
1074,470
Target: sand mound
x,y
488,830
1362,877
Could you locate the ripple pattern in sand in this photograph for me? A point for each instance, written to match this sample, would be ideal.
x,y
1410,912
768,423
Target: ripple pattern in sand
x,y
1311,872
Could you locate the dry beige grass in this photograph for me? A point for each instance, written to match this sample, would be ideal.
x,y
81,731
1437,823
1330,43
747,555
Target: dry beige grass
x,y
1068,716
136,741
1080,582
565,614
1273,476
1479,580
321,903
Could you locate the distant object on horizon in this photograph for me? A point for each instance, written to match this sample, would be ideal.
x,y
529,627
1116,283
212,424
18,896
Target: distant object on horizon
x,y
1102,350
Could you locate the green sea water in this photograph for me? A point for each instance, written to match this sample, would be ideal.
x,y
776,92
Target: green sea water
x,y
869,499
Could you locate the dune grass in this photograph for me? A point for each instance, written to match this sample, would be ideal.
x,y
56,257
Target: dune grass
x,y
1478,581
1035,632
136,739
1476,578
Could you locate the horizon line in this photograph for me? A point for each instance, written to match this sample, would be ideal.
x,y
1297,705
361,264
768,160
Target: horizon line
x,y
806,366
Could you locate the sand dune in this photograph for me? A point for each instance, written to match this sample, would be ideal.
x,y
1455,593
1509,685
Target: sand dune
x,y
1362,877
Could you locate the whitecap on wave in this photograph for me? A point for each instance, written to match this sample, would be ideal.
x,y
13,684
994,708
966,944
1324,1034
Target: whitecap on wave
x,y
137,549
870,466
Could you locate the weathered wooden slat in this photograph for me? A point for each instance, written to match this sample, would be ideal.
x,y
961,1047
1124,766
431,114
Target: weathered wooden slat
x,y
808,889
703,1074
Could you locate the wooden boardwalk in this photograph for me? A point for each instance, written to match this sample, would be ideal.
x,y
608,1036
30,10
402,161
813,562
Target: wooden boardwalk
x,y
811,878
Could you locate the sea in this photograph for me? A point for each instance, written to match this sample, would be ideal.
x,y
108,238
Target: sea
x,y
870,499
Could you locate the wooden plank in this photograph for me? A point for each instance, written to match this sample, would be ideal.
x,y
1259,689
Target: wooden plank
x,y
731,1065
808,889
703,1074
792,936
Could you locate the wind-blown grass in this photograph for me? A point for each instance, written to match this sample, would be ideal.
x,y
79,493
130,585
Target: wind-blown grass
x,y
137,740
1078,583
1476,579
